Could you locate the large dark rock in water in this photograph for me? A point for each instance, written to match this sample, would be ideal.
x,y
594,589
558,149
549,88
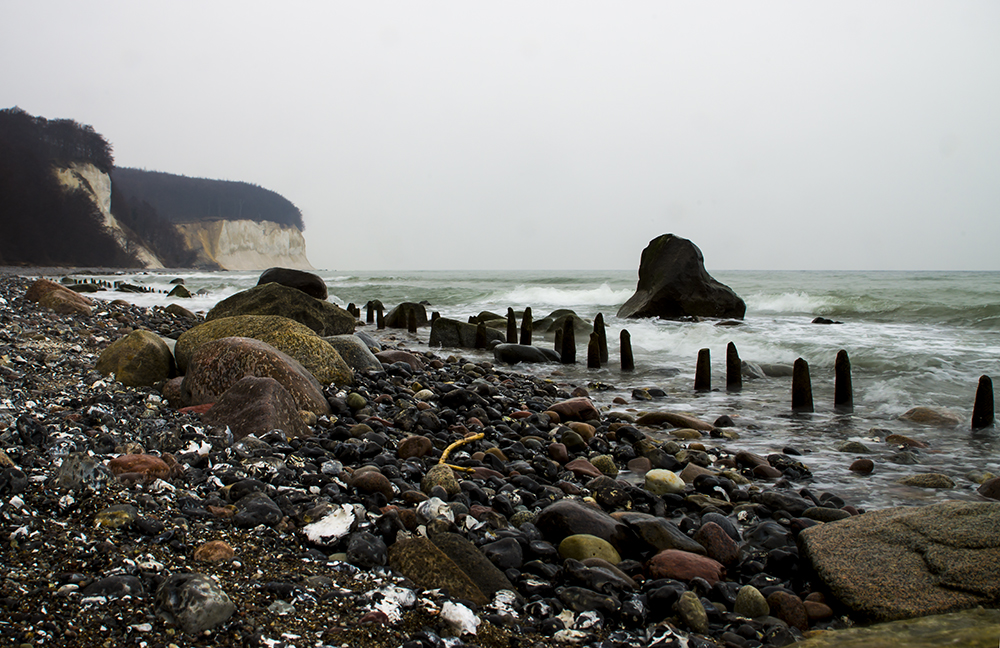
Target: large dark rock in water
x,y
397,317
274,299
307,282
673,284
447,332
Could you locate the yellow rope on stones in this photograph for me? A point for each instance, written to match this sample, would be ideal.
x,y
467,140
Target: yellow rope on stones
x,y
447,451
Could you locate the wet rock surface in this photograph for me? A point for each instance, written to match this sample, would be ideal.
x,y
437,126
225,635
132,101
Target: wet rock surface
x,y
129,521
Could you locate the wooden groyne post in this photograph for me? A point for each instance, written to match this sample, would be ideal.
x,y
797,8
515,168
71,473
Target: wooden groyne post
x,y
802,395
625,350
526,326
982,411
843,391
703,371
734,369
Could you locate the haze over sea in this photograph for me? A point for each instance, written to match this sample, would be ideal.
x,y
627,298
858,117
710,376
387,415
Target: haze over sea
x,y
914,339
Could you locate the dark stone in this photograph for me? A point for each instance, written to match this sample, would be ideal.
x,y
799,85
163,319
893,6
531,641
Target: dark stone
x,y
571,517
256,509
505,553
193,602
309,283
673,284
515,353
446,332
398,316
366,550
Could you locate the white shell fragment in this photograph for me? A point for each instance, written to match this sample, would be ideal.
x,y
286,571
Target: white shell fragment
x,y
331,528
460,619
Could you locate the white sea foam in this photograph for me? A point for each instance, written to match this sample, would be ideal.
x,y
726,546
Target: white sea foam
x,y
789,302
563,297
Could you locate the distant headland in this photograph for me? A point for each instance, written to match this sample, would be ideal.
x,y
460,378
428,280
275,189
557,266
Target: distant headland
x,y
63,202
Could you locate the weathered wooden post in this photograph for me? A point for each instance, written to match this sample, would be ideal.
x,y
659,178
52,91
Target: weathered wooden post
x,y
843,390
594,351
703,371
802,394
526,326
411,320
511,326
982,411
734,369
602,338
370,306
379,316
625,350
481,335
568,350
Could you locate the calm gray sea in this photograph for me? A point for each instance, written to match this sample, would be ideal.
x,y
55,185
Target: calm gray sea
x,y
914,338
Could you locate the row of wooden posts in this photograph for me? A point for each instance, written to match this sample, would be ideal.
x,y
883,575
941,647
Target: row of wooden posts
x,y
597,355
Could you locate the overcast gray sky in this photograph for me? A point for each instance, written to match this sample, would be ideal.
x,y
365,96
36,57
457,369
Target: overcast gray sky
x,y
537,135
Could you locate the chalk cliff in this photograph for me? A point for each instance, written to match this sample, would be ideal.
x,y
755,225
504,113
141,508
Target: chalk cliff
x,y
229,244
97,185
246,244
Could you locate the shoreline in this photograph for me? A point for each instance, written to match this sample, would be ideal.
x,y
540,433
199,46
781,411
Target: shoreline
x,y
52,356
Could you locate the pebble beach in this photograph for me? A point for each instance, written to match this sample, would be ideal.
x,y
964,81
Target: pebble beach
x,y
334,537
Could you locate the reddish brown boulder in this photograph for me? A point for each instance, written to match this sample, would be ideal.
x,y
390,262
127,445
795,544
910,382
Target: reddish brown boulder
x,y
583,468
256,406
717,543
58,298
576,409
143,464
392,356
683,565
214,551
218,365
790,609
414,446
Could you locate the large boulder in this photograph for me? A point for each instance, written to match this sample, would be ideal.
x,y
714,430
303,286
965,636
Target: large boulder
x,y
397,317
218,365
297,340
141,358
307,282
906,562
274,299
256,406
58,298
446,332
674,284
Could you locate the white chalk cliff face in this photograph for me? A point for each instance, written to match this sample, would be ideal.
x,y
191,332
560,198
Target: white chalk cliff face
x,y
233,245
97,185
247,245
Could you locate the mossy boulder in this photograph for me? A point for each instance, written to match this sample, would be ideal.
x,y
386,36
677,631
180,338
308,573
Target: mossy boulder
x,y
140,358
218,365
275,299
286,335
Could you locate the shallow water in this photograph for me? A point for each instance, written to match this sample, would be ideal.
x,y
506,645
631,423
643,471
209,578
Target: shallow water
x,y
917,338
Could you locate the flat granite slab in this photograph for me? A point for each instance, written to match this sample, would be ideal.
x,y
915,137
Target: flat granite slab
x,y
907,562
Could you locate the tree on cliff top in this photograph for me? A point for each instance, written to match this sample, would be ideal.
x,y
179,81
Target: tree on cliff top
x,y
181,199
41,223
57,141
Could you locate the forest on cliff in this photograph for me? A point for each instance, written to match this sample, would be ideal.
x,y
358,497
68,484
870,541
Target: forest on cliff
x,y
44,223
41,222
